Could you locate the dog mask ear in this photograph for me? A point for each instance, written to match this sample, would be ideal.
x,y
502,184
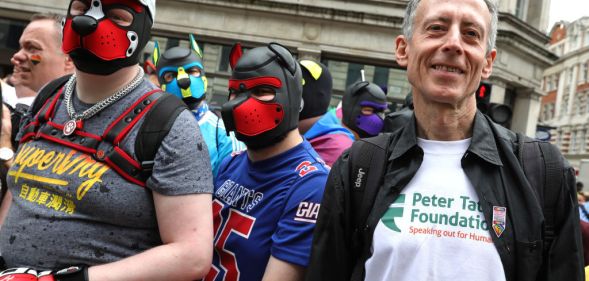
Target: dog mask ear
x,y
156,53
194,46
358,86
285,56
236,53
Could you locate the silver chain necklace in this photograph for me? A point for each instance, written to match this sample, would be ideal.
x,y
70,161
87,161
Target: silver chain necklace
x,y
70,126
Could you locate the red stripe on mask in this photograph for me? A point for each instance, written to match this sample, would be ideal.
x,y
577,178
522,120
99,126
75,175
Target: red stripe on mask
x,y
133,4
254,82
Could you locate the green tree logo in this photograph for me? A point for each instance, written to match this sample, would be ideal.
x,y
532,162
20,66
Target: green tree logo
x,y
394,211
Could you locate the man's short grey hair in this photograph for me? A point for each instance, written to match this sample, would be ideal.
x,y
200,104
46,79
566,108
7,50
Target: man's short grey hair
x,y
410,19
57,22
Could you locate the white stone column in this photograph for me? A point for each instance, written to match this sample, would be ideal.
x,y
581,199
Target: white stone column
x,y
498,92
559,94
572,89
525,112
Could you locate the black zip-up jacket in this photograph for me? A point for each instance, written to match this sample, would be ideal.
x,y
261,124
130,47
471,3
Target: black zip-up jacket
x,y
493,168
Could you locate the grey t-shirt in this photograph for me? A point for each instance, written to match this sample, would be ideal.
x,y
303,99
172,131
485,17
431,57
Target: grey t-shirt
x,y
70,209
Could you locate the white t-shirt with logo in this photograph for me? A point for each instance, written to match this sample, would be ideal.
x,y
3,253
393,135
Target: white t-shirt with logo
x,y
435,230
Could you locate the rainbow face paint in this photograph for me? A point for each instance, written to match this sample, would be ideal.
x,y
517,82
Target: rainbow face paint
x,y
35,59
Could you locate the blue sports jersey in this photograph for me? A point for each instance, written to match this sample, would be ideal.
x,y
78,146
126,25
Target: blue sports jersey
x,y
265,208
213,131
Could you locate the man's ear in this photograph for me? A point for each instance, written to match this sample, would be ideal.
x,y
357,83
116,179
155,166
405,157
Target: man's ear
x,y
68,64
401,50
488,67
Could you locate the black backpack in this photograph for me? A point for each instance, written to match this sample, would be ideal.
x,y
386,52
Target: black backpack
x,y
541,162
160,110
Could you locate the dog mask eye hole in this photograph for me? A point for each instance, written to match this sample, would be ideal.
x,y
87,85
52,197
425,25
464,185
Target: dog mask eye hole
x,y
195,71
119,16
263,94
79,7
169,76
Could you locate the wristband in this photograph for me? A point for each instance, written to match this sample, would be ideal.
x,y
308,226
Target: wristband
x,y
72,273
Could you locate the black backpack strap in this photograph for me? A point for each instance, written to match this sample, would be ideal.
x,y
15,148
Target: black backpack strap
x,y
158,122
530,158
35,120
553,180
30,120
46,92
368,158
543,167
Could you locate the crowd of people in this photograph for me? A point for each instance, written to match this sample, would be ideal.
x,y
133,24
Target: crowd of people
x,y
114,171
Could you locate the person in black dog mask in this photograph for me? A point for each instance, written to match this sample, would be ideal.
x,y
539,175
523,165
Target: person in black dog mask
x,y
280,176
363,108
319,126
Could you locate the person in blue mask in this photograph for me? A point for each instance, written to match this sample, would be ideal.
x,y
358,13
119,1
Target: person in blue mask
x,y
181,73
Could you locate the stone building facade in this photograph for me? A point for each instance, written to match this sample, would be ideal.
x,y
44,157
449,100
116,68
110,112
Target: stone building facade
x,y
347,35
565,108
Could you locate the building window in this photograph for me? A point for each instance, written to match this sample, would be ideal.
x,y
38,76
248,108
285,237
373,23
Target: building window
x,y
574,42
585,73
577,104
573,145
586,43
564,105
224,59
399,87
520,9
582,77
381,76
582,103
354,73
548,112
171,42
10,31
582,142
392,80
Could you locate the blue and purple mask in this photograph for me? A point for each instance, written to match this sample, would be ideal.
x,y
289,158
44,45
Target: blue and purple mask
x,y
371,124
359,95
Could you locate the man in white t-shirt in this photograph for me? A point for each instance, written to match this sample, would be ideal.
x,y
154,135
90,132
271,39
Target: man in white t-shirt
x,y
453,202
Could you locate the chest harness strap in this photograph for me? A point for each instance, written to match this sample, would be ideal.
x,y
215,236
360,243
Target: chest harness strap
x,y
110,152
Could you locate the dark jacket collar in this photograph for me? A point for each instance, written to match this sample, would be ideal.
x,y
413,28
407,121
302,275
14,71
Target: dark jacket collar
x,y
482,144
483,140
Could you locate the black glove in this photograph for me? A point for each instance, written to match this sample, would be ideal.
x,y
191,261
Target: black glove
x,y
2,262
